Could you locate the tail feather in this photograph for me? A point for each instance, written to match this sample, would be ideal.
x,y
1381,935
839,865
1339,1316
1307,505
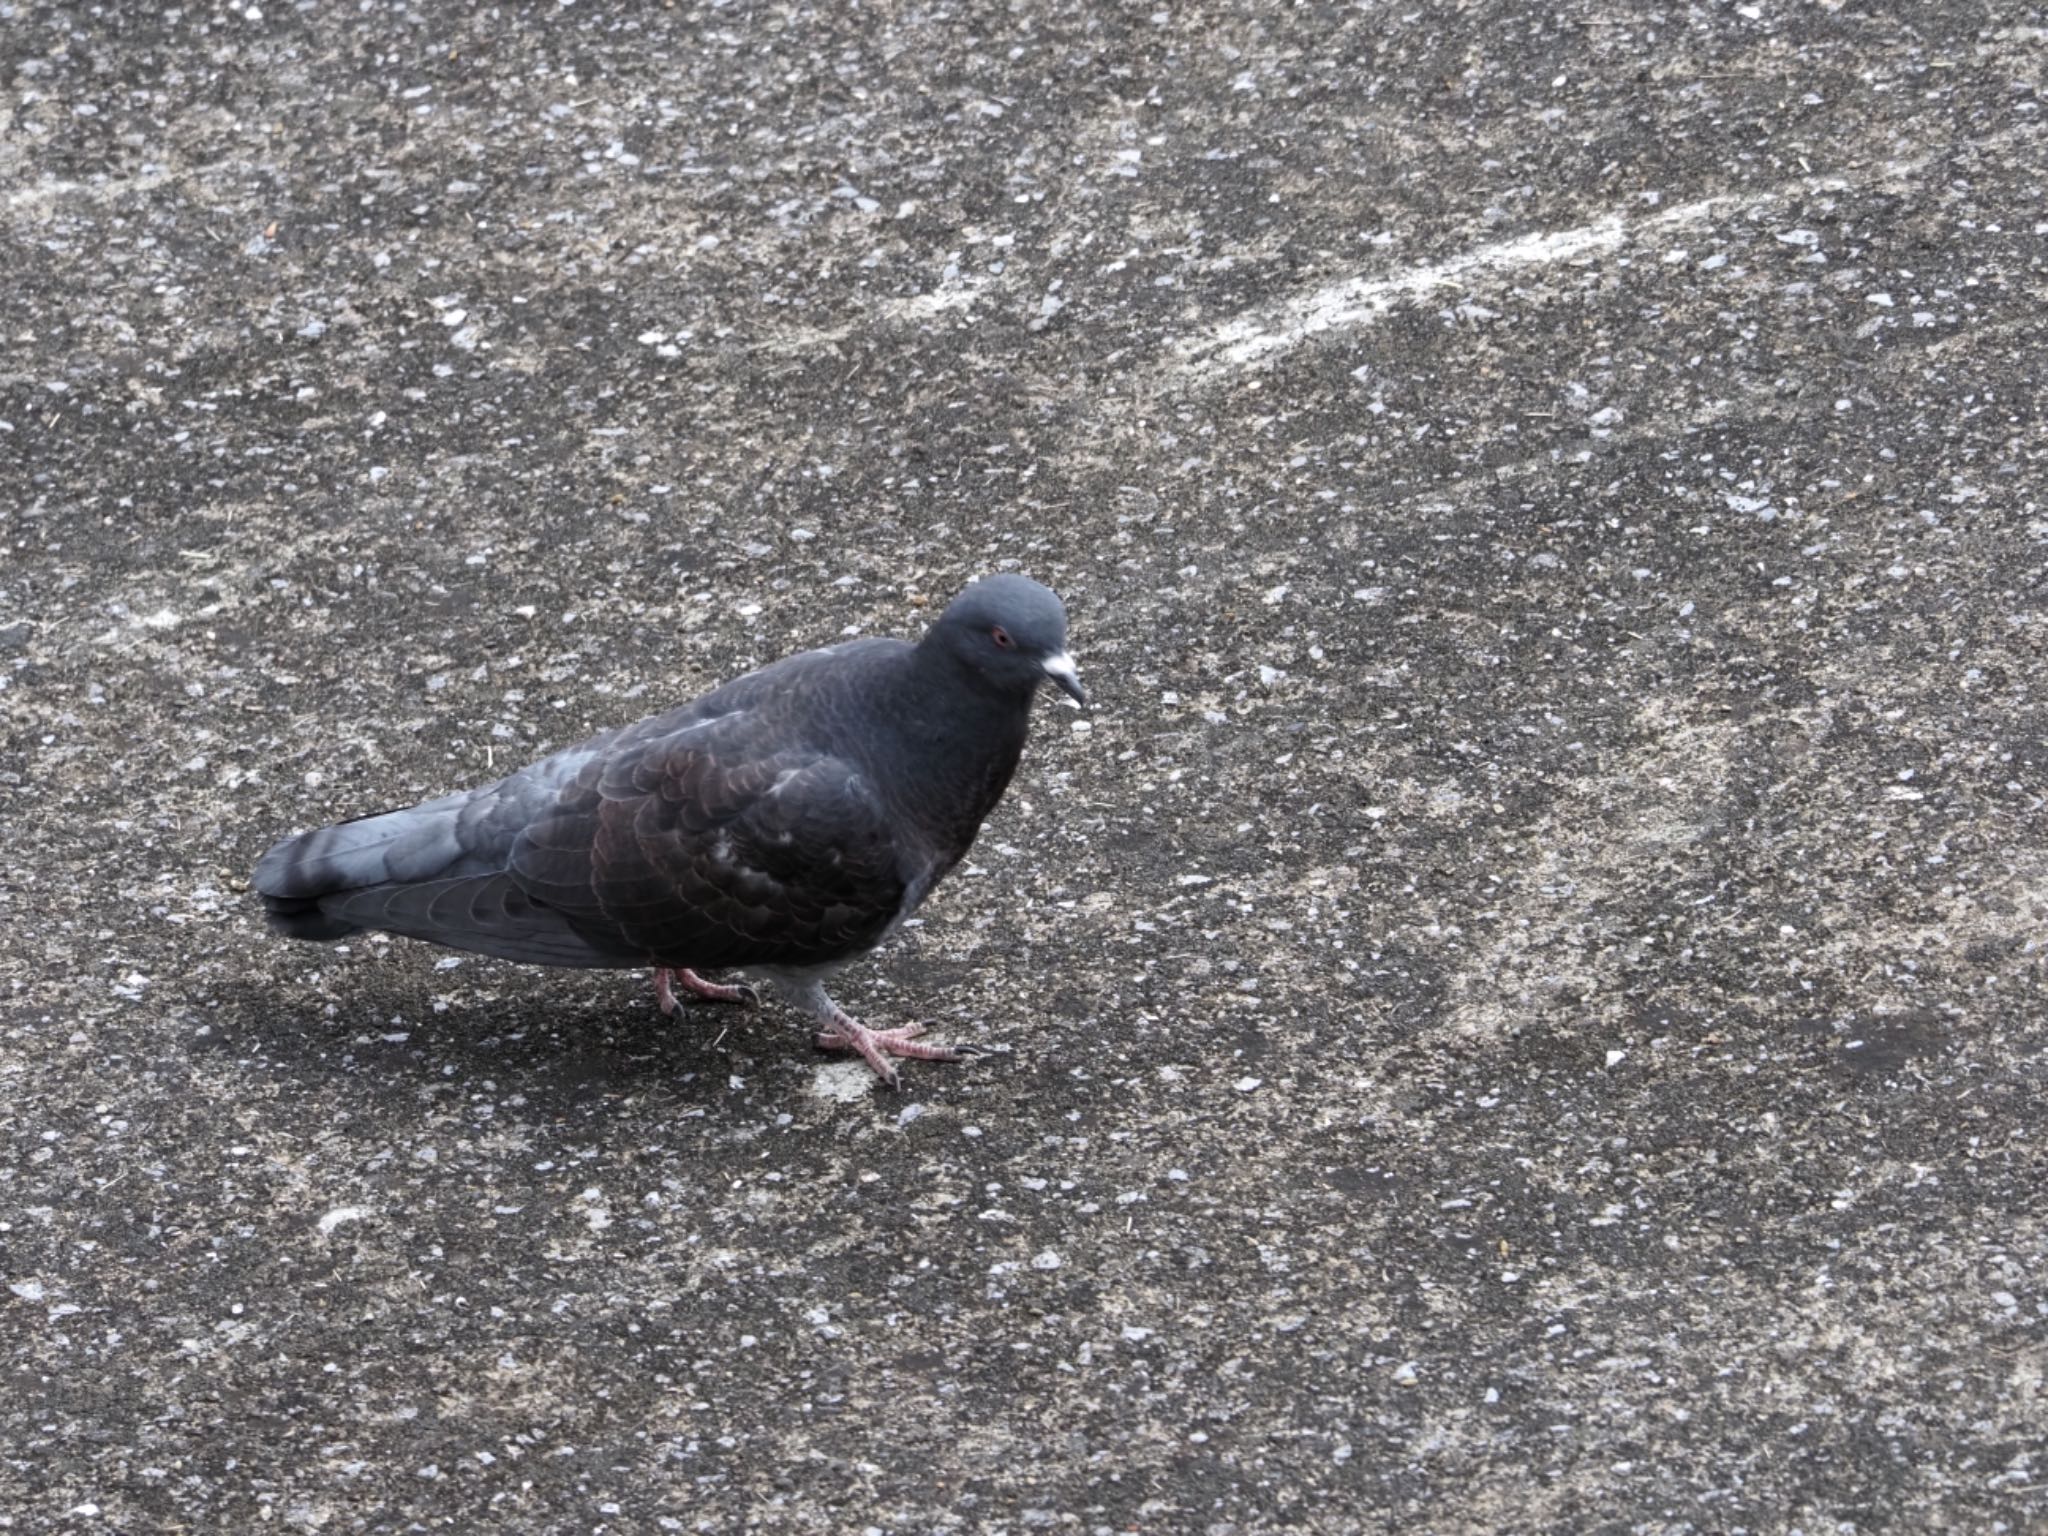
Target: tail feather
x,y
419,842
434,871
301,917
487,915
296,877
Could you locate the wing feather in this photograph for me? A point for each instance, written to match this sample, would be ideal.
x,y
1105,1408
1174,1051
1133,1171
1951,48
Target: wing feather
x,y
710,847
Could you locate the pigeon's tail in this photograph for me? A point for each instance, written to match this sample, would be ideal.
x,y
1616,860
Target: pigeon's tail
x,y
435,871
421,842
300,917
305,881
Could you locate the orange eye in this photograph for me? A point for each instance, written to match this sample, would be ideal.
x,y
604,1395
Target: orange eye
x,y
1001,636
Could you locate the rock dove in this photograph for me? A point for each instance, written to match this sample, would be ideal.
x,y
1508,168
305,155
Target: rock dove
x,y
780,825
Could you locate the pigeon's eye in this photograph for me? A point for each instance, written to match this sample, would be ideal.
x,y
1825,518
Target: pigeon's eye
x,y
1001,636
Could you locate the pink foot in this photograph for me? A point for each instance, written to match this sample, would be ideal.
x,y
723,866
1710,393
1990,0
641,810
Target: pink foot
x,y
876,1046
691,982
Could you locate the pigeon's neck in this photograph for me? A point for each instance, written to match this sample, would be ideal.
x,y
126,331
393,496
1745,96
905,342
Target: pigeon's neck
x,y
960,741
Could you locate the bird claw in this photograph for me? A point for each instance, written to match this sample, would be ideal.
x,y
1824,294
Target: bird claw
x,y
700,989
876,1046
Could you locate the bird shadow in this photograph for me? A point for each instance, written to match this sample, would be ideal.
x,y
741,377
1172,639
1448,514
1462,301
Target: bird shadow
x,y
378,1024
561,1047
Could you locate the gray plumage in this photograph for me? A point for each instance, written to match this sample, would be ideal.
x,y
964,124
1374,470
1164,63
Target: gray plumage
x,y
782,823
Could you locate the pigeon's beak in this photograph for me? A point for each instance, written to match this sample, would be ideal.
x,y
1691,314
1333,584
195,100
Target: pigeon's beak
x,y
1067,676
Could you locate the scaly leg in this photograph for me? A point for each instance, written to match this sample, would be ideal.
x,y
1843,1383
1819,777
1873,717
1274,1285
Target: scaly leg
x,y
839,1030
710,991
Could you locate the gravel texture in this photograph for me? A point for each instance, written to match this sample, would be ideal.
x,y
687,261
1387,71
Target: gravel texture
x,y
1519,1008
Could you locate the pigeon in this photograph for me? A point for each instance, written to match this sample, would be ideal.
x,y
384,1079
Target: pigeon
x,y
779,826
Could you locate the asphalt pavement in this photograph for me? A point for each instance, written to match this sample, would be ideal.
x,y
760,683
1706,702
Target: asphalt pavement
x,y
1518,1008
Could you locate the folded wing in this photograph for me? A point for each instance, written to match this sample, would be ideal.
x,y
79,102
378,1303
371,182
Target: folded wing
x,y
711,846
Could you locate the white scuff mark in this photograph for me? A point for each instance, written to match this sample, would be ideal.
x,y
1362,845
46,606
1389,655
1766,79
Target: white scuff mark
x,y
923,306
844,1082
340,1216
951,294
1359,301
52,190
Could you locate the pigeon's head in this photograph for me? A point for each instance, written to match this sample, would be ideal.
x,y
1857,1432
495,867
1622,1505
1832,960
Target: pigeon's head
x,y
1013,633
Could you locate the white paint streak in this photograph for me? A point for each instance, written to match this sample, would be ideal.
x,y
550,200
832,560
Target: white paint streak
x,y
51,192
1359,301
914,310
923,306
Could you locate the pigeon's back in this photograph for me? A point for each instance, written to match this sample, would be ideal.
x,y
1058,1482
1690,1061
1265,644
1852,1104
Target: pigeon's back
x,y
740,829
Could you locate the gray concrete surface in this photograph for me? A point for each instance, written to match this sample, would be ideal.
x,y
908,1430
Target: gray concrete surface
x,y
1520,1009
